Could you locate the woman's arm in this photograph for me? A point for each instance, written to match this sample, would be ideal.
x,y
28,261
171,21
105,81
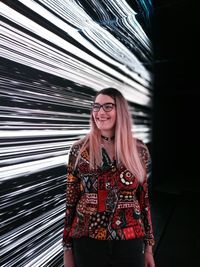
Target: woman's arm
x,y
72,196
143,197
146,214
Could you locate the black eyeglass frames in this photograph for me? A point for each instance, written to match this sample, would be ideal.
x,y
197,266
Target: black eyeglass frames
x,y
107,107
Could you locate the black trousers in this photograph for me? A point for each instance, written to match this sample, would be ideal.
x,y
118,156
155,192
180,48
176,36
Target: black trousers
x,y
89,252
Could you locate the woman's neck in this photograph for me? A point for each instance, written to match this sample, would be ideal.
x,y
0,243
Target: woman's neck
x,y
108,134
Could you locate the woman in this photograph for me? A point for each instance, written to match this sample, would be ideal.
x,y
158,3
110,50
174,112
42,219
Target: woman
x,y
108,219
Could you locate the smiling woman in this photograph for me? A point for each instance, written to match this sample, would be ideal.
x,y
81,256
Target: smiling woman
x,y
107,204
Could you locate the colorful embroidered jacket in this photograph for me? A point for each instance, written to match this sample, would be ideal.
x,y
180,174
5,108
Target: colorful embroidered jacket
x,y
108,203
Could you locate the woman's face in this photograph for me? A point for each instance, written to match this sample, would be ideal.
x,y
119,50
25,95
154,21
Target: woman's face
x,y
105,116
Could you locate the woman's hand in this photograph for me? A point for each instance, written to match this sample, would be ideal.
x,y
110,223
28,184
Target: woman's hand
x,y
148,259
68,258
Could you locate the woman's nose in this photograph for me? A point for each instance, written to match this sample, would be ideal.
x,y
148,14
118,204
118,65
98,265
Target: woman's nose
x,y
101,110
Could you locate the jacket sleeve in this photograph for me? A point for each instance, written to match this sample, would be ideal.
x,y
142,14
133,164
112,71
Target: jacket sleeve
x,y
143,197
72,196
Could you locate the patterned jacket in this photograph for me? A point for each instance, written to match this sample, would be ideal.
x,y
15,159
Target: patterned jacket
x,y
108,203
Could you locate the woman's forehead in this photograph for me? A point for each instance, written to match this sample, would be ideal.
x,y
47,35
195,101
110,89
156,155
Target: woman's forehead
x,y
104,99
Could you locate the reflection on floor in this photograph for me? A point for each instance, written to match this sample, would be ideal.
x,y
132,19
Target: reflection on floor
x,y
176,227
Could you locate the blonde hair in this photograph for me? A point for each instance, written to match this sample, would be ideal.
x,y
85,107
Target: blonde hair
x,y
126,151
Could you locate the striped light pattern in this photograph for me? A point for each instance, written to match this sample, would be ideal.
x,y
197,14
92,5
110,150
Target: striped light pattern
x,y
55,55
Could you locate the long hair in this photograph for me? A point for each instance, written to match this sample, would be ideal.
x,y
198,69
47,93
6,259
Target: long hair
x,y
126,151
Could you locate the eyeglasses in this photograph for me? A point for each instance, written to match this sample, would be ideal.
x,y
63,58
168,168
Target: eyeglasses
x,y
107,107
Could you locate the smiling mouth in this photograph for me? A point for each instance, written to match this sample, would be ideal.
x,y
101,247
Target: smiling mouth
x,y
103,119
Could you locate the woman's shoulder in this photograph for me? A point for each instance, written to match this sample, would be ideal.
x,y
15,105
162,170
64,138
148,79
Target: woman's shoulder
x,y
140,143
142,148
79,143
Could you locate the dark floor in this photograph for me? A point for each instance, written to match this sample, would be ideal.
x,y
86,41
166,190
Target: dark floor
x,y
176,226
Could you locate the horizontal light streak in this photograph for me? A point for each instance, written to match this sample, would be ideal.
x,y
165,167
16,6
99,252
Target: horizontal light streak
x,y
39,133
57,68
72,13
43,258
29,157
14,171
22,237
97,82
37,189
34,148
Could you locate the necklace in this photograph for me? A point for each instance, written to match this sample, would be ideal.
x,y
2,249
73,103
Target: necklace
x,y
108,139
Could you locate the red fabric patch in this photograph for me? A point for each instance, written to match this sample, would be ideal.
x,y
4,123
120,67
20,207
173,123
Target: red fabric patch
x,y
102,195
129,233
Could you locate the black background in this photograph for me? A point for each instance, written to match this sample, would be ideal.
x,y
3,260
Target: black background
x,y
176,97
175,145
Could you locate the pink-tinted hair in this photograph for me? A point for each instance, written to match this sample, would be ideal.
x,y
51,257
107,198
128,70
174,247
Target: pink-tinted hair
x,y
126,151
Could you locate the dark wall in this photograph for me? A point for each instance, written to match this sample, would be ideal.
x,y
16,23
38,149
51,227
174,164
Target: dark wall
x,y
176,98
